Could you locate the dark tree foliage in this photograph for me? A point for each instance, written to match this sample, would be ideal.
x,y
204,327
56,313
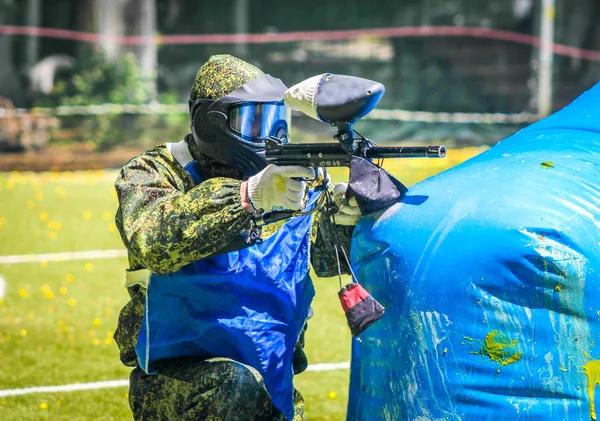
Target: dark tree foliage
x,y
420,73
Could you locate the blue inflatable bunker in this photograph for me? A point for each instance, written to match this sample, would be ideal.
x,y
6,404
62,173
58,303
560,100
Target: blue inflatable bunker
x,y
490,275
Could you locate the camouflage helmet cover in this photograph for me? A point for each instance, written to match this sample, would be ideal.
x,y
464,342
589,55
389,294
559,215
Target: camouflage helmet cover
x,y
221,75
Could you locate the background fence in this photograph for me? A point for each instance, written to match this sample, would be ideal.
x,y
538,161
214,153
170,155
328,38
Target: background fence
x,y
459,71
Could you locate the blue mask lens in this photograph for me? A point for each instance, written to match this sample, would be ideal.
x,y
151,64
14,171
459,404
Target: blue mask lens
x,y
256,122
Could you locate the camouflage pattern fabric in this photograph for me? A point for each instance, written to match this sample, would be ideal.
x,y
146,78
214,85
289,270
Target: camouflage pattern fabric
x,y
322,255
221,75
167,222
218,389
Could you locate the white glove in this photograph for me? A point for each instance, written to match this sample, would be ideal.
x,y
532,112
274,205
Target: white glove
x,y
349,212
274,187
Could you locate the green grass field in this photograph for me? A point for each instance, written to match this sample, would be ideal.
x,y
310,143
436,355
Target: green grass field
x,y
57,318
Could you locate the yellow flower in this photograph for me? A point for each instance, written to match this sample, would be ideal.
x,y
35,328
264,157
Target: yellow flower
x,y
10,185
1,303
62,291
45,288
44,405
97,322
44,264
52,235
107,215
109,334
69,277
60,191
108,341
53,225
23,332
88,266
112,227
43,216
39,195
31,315
23,293
95,341
332,395
87,214
30,204
49,295
61,322
72,302
2,221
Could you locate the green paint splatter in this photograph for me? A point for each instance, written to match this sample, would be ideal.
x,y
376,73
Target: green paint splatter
x,y
547,164
498,348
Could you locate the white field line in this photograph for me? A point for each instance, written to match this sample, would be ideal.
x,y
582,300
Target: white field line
x,y
329,366
59,257
122,383
65,388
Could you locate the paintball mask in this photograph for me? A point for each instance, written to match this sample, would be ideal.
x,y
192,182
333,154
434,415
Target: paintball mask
x,y
233,129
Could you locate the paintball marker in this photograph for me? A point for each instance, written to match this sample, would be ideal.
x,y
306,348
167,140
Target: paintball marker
x,y
335,155
340,101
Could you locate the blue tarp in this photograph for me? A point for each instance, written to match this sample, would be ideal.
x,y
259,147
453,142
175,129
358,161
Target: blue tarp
x,y
490,275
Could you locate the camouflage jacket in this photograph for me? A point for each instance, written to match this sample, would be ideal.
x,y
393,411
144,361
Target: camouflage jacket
x,y
167,222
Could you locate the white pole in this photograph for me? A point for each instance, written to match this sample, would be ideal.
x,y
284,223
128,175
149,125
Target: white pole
x,y
109,23
147,28
242,27
33,42
544,98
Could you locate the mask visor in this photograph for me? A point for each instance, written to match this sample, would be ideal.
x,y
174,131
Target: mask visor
x,y
256,122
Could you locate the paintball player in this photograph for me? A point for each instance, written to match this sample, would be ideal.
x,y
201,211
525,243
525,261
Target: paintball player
x,y
215,326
